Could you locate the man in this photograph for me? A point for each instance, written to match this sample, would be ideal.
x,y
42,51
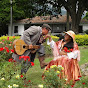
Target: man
x,y
34,36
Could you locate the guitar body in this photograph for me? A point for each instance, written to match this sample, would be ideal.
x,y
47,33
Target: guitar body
x,y
19,47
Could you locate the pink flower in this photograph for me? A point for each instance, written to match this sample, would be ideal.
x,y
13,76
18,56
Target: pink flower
x,y
7,38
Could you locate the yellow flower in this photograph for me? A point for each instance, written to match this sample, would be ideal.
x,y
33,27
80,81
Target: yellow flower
x,y
17,76
53,66
3,78
58,71
66,79
62,68
14,85
9,86
47,71
40,86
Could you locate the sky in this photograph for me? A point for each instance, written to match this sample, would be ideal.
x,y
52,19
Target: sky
x,y
63,10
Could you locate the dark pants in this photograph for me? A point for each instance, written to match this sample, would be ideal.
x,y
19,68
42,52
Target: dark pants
x,y
26,64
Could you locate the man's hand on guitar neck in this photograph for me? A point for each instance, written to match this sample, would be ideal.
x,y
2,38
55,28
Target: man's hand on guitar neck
x,y
31,46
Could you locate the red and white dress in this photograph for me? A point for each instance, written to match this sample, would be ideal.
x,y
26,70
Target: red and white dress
x,y
69,62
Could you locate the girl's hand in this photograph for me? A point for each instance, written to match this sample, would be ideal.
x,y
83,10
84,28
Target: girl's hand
x,y
62,53
48,36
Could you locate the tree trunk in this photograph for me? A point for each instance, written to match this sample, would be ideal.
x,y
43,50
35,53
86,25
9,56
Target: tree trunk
x,y
75,23
67,28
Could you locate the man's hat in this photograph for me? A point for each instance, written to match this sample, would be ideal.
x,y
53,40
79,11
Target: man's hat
x,y
46,26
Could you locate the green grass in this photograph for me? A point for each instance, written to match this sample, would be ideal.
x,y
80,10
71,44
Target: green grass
x,y
83,54
35,73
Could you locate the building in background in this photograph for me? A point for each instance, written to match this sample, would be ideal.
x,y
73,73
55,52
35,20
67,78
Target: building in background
x,y
58,24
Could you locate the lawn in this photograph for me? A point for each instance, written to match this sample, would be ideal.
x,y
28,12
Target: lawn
x,y
35,73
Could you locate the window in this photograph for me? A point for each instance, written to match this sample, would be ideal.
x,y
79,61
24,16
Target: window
x,y
15,29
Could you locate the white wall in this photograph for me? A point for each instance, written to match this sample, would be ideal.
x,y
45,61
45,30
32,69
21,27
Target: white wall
x,y
85,27
20,29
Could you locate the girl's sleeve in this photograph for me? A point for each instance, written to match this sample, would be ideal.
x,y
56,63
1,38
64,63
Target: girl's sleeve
x,y
75,54
50,43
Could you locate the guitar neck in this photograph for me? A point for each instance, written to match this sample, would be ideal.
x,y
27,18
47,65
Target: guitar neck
x,y
34,47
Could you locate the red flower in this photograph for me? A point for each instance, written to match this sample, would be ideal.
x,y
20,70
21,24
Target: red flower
x,y
79,76
65,49
32,63
1,49
68,50
83,83
29,81
12,50
21,57
7,51
28,60
77,79
10,60
13,36
6,48
71,50
21,76
72,85
25,58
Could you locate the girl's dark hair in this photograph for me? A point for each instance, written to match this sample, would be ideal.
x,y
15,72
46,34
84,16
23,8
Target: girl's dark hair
x,y
69,45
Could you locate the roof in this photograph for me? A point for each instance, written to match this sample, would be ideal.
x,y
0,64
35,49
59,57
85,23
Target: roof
x,y
47,19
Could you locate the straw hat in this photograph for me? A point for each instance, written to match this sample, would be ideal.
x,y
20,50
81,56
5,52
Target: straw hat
x,y
71,33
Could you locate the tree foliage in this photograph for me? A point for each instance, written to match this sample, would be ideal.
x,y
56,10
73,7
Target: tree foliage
x,y
74,7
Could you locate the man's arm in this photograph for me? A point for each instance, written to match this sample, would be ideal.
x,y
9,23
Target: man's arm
x,y
28,33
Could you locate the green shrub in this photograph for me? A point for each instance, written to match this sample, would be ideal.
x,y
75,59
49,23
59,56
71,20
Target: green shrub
x,y
52,77
82,39
6,49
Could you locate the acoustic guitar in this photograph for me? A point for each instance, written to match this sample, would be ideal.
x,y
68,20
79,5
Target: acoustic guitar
x,y
19,47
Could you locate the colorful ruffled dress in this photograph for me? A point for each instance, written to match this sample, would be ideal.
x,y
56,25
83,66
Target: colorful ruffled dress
x,y
69,62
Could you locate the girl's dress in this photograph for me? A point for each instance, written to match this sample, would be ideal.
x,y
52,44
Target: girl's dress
x,y
69,62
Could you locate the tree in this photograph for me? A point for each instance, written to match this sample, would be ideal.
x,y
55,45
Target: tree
x,y
86,17
74,7
21,9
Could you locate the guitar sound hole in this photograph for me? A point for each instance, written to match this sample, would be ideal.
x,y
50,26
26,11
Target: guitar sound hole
x,y
24,46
